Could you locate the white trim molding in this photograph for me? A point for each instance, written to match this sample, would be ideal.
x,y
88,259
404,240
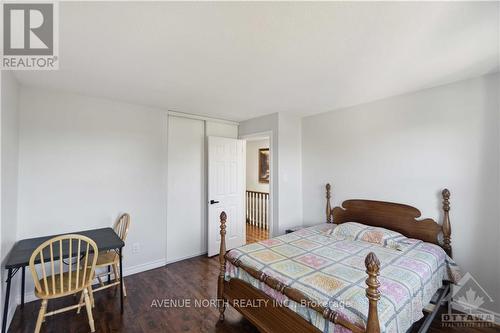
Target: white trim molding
x,y
30,296
195,116
186,257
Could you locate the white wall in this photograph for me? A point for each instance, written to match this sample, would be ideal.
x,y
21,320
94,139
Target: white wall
x,y
290,171
252,163
407,149
83,160
9,179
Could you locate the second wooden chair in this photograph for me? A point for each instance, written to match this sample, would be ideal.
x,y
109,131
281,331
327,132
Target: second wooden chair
x,y
110,259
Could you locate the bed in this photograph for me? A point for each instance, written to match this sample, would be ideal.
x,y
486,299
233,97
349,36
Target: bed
x,y
318,279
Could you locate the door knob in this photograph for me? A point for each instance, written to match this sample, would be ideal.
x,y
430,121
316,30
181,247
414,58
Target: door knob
x,y
213,202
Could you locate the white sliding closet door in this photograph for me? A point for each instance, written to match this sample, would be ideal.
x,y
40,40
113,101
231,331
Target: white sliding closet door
x,y
186,226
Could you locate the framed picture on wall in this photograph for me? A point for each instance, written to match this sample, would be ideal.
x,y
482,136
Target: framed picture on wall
x,y
264,165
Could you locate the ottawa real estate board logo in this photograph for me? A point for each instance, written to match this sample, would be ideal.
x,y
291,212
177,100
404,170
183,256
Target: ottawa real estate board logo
x,y
467,306
30,36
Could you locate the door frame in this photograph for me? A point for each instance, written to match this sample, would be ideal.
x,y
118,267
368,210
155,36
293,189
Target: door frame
x,y
272,182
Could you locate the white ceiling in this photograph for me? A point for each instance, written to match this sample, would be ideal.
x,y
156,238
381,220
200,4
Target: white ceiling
x,y
236,60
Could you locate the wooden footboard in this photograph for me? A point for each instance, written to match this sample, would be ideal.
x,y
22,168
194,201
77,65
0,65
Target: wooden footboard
x,y
266,318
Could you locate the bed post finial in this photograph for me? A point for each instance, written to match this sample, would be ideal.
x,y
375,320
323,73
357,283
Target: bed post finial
x,y
222,262
372,268
446,222
328,205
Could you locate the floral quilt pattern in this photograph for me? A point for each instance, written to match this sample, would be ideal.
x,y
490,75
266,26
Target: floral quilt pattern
x,y
330,270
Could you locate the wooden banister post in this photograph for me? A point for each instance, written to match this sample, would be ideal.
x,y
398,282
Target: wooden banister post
x,y
222,262
372,268
446,222
328,205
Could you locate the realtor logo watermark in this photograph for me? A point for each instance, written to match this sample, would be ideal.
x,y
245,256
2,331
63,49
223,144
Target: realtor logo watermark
x,y
469,298
30,36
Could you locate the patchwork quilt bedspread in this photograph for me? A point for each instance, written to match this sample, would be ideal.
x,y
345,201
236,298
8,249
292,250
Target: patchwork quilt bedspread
x,y
330,270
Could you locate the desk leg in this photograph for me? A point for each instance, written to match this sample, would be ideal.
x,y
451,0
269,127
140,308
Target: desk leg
x,y
121,281
109,274
6,306
23,274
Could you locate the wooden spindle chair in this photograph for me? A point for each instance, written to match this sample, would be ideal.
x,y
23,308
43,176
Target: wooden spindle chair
x,y
110,259
80,263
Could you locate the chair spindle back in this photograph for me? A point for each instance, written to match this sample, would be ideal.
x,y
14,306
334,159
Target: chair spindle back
x,y
122,225
73,248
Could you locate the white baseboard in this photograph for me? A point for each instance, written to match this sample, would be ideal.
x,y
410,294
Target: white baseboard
x,y
186,257
15,289
30,296
12,310
144,267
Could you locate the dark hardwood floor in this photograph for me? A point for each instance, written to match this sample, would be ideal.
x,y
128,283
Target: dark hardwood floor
x,y
192,279
256,234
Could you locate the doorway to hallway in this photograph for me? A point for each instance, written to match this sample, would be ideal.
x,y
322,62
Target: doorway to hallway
x,y
258,178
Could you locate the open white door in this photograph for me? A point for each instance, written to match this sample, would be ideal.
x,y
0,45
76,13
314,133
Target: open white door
x,y
226,192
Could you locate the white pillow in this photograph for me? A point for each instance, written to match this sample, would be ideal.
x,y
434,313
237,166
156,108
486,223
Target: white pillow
x,y
360,232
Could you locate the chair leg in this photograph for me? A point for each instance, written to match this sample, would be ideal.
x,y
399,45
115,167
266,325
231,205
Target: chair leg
x,y
91,296
80,303
124,289
116,271
100,281
88,305
41,316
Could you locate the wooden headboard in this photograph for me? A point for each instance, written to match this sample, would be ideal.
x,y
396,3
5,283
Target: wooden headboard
x,y
394,216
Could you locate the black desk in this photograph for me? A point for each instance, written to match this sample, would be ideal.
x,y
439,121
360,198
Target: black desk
x,y
19,256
